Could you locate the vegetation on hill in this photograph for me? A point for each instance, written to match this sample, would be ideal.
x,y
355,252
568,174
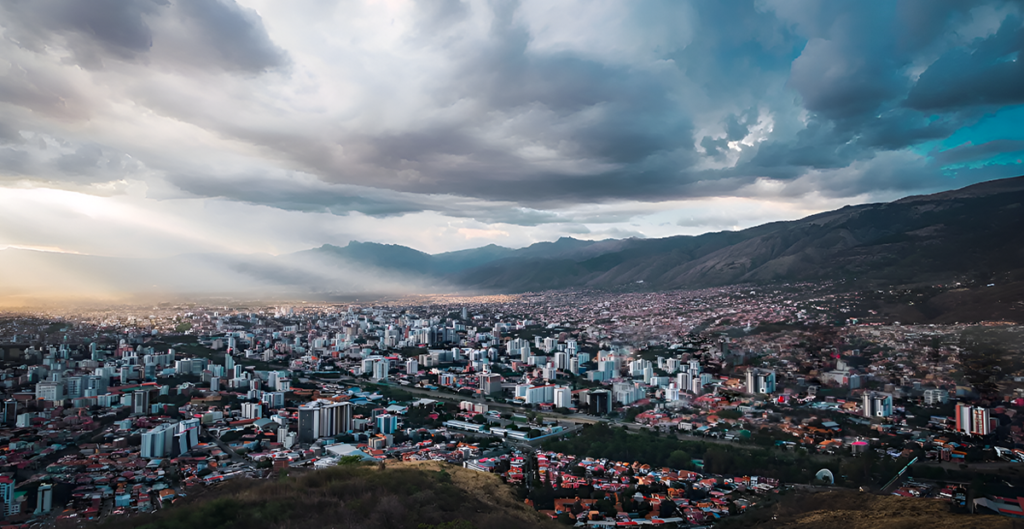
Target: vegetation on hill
x,y
856,510
427,496
604,441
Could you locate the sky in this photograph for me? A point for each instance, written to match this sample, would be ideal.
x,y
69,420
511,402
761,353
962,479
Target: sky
x,y
164,127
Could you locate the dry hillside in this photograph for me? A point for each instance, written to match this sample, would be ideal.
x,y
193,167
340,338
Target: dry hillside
x,y
854,510
415,496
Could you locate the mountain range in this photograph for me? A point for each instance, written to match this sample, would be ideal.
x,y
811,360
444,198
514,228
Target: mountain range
x,y
974,233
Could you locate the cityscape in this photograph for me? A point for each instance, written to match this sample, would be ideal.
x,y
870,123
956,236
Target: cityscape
x,y
444,264
120,411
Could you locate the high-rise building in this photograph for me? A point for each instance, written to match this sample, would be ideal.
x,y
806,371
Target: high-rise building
x,y
539,394
387,424
140,402
973,420
877,404
44,498
935,396
563,397
981,423
323,418
518,347
51,391
10,507
159,441
627,392
412,367
671,392
272,399
252,410
381,368
963,418
73,387
599,402
10,412
490,384
187,435
760,381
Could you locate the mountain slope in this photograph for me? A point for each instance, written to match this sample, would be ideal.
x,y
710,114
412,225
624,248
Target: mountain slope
x,y
970,234
975,231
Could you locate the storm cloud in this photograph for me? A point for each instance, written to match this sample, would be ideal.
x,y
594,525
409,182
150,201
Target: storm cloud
x,y
509,114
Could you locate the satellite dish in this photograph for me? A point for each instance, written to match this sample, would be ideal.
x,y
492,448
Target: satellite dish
x,y
825,476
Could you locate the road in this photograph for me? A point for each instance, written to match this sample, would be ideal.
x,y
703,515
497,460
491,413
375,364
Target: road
x,y
440,395
235,458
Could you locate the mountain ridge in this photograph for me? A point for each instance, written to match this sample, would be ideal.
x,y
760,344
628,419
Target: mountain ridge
x,y
969,232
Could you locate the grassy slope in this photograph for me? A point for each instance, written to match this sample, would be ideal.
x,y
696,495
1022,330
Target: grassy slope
x,y
855,510
402,496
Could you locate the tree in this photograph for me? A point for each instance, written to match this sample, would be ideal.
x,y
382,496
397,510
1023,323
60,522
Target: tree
x,y
679,459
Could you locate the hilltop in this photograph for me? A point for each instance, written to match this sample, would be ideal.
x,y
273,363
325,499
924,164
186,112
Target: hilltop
x,y
427,495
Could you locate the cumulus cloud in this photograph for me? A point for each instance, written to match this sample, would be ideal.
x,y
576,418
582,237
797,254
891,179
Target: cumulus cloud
x,y
581,118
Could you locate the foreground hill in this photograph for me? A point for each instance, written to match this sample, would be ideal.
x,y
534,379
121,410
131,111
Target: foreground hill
x,y
856,510
426,496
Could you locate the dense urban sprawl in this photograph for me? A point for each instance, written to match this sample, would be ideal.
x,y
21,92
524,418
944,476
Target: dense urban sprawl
x,y
678,407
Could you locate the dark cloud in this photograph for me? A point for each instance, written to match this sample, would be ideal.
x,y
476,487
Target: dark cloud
x,y
93,29
310,195
989,72
234,34
217,32
290,194
982,151
652,102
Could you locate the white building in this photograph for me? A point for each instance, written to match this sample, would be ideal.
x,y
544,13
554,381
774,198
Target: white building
x,y
760,381
563,397
537,394
252,410
935,396
877,404
323,418
627,392
157,443
52,391
381,368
